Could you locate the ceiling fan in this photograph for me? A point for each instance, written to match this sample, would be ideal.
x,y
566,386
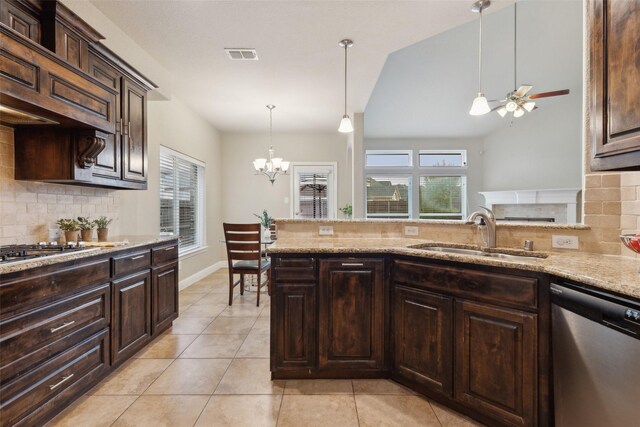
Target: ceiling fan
x,y
518,102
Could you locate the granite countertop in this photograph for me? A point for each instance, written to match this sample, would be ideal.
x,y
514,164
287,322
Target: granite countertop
x,y
608,272
132,242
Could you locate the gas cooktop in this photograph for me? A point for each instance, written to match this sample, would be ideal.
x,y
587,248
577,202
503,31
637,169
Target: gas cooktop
x,y
23,253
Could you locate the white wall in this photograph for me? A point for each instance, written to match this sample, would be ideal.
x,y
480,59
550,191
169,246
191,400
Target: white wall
x,y
245,193
475,160
174,125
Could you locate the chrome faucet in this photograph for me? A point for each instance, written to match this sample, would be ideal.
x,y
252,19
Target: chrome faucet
x,y
490,220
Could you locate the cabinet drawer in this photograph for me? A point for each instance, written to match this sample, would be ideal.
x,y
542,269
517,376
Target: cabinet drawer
x,y
294,269
164,254
18,294
28,392
131,263
28,339
503,289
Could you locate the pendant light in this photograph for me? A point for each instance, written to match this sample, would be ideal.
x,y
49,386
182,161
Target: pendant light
x,y
273,166
480,105
345,124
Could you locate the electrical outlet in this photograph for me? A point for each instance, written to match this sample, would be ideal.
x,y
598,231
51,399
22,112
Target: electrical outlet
x,y
326,230
564,242
411,230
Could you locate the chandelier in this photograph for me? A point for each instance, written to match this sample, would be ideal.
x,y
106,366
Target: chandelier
x,y
273,166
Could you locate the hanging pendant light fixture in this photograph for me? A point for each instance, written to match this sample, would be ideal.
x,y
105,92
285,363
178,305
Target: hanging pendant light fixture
x,y
345,124
273,166
480,105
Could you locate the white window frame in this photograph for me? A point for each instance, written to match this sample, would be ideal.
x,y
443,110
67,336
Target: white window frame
x,y
463,154
332,190
201,235
389,152
409,214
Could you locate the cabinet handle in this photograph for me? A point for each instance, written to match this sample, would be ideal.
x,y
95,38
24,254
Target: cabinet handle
x,y
64,325
170,248
352,264
129,135
58,384
118,126
136,257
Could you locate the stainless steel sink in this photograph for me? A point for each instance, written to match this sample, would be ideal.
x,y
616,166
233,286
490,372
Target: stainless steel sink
x,y
476,252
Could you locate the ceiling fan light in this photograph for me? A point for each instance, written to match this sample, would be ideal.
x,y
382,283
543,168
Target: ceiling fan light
x,y
502,111
480,105
511,106
518,113
529,105
345,125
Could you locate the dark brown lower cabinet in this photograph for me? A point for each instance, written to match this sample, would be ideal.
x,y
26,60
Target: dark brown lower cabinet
x,y
164,296
351,314
422,334
293,335
496,362
131,315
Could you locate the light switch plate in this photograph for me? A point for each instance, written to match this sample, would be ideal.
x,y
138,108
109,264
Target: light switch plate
x,y
565,242
410,230
326,230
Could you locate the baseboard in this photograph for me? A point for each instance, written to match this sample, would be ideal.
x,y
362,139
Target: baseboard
x,y
188,281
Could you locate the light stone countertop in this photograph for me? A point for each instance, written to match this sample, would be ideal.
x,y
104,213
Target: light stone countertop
x,y
607,272
133,242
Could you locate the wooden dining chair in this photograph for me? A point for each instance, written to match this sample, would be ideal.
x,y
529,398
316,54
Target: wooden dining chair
x,y
244,255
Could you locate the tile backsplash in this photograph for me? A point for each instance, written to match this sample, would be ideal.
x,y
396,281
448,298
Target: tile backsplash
x,y
29,209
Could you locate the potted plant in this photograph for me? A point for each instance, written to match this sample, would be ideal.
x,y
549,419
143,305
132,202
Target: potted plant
x,y
347,210
70,227
86,228
265,221
103,232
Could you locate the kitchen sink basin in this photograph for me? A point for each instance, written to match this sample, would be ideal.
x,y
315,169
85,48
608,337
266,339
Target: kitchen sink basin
x,y
476,252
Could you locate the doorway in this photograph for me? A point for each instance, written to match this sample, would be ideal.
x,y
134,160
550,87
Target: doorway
x,y
313,190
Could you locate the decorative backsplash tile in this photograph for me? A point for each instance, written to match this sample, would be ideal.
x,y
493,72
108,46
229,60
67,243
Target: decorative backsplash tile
x,y
29,209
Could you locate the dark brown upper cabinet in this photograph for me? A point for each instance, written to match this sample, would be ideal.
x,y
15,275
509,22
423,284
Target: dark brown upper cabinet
x,y
21,17
613,29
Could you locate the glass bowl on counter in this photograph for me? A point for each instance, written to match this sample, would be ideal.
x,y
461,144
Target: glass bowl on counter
x,y
631,241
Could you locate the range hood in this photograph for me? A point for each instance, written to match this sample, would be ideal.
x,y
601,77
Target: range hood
x,y
12,117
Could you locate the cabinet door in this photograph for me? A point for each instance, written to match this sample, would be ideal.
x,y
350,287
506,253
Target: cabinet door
x,y
108,163
20,20
164,295
495,354
422,334
131,316
615,83
351,314
134,151
293,335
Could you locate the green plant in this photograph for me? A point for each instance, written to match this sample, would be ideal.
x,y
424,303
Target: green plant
x,y
265,219
85,224
347,210
68,224
102,222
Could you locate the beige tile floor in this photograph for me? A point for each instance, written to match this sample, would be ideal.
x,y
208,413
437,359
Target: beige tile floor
x,y
212,369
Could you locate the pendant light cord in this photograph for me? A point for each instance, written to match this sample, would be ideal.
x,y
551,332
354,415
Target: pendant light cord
x,y
515,45
480,54
346,46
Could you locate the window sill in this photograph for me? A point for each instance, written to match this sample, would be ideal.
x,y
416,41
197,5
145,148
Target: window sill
x,y
193,252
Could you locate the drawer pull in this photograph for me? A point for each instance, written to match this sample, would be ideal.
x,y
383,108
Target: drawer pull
x,y
352,264
136,257
170,248
64,325
62,381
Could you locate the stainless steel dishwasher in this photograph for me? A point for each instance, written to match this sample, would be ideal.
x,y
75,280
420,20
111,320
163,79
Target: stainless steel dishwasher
x,y
596,368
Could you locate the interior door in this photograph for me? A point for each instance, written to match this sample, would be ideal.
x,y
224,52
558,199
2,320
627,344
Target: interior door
x,y
314,191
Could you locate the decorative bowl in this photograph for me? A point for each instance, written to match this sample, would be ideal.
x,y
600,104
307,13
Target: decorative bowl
x,y
631,241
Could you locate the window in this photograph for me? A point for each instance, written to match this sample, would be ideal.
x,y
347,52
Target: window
x,y
441,158
441,197
388,197
389,158
182,199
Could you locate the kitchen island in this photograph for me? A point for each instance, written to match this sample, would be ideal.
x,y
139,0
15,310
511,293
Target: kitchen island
x,y
472,332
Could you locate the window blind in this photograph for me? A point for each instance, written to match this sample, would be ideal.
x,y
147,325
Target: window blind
x,y
181,198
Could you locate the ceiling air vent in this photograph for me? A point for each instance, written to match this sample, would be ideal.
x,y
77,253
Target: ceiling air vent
x,y
241,54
